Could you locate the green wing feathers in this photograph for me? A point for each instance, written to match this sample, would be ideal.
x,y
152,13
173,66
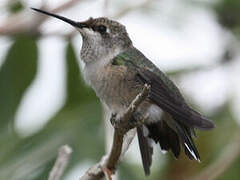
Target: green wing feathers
x,y
163,91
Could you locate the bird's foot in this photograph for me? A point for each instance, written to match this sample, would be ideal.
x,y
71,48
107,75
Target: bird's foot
x,y
135,123
118,122
138,120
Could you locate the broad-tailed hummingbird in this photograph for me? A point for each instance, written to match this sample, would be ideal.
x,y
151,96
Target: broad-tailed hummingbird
x,y
117,71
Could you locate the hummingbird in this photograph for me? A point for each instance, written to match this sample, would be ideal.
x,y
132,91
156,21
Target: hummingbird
x,y
118,71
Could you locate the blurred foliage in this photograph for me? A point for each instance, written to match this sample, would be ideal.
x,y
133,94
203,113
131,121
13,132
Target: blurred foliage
x,y
72,125
79,121
15,6
14,80
228,13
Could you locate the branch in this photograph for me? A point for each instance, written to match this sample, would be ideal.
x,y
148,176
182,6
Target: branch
x,y
61,163
226,159
20,23
107,166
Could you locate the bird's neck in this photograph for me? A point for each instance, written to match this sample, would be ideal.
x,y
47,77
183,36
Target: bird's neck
x,y
95,51
96,62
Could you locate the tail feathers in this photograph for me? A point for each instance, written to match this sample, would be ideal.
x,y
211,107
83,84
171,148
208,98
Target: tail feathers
x,y
185,134
169,139
145,149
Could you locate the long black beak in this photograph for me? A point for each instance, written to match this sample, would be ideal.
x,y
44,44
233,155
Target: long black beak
x,y
69,21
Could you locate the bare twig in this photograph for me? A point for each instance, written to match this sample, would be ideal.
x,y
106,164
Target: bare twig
x,y
61,163
109,164
225,160
93,173
20,23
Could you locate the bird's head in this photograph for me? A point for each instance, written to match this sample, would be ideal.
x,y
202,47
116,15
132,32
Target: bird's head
x,y
102,37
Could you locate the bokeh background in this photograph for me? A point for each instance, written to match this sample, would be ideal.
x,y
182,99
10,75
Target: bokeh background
x,y
44,102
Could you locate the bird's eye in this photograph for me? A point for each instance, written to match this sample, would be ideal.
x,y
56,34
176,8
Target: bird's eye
x,y
101,28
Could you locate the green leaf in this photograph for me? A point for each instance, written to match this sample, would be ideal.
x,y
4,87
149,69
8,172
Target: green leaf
x,y
16,74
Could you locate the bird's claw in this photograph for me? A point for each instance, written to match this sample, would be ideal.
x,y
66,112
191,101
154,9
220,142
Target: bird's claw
x,y
134,123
